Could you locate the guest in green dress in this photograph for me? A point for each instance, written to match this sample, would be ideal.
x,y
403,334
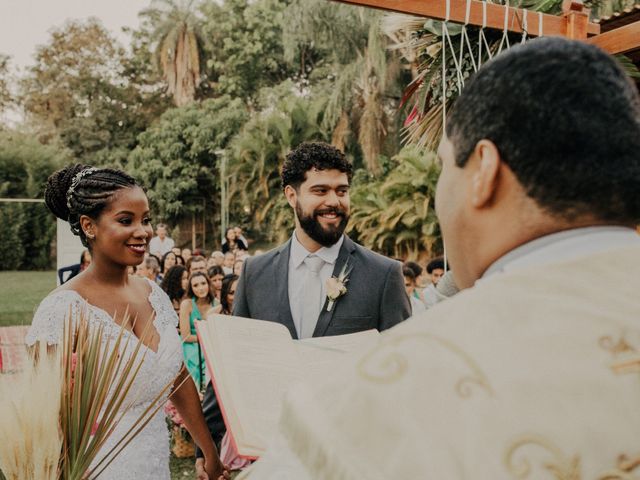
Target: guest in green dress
x,y
195,307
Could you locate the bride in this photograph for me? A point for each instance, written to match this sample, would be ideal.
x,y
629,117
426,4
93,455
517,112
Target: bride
x,y
110,213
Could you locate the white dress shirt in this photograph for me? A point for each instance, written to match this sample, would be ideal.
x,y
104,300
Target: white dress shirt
x,y
160,247
297,274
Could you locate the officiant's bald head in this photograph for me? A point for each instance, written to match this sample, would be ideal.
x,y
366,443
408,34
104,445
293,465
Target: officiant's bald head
x,y
545,137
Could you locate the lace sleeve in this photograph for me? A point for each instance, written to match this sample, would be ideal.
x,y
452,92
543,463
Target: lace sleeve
x,y
48,322
165,314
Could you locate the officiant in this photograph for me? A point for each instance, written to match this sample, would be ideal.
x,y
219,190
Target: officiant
x,y
532,371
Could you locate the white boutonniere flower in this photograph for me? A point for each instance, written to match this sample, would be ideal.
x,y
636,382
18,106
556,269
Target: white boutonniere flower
x,y
336,286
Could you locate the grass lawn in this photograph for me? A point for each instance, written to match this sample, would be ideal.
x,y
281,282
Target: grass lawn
x,y
20,294
182,468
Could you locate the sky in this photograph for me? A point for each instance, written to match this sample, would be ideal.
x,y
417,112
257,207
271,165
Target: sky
x,y
25,24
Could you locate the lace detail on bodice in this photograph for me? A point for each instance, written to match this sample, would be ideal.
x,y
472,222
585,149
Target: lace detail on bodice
x,y
147,456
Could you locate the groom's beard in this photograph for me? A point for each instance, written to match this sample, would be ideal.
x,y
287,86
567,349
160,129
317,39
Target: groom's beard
x,y
325,236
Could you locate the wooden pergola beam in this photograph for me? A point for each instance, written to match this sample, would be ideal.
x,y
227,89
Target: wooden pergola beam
x,y
495,15
621,40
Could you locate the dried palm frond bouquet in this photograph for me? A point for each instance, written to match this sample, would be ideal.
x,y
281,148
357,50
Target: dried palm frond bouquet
x,y
57,413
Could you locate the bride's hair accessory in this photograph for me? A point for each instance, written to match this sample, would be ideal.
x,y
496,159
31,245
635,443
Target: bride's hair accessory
x,y
76,180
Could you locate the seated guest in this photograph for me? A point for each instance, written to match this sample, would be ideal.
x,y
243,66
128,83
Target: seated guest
x,y
149,268
435,270
237,267
169,259
533,370
231,242
73,270
197,264
216,275
176,285
186,254
161,243
229,260
218,256
410,286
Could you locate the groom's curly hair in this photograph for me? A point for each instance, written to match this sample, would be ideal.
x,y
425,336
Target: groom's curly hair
x,y
308,155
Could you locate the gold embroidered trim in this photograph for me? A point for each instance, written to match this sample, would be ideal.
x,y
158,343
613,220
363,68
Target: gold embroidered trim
x,y
624,470
559,465
626,356
386,365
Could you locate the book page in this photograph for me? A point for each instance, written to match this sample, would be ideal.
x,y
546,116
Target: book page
x,y
253,363
320,354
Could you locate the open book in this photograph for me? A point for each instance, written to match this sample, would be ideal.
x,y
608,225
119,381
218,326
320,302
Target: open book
x,y
253,363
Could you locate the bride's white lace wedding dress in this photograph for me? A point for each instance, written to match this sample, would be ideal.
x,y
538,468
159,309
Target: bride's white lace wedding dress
x,y
147,455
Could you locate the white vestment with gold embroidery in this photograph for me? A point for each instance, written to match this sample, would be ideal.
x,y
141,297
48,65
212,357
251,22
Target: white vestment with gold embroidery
x,y
533,373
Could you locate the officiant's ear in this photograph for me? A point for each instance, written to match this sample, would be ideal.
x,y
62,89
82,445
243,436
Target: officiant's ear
x,y
291,195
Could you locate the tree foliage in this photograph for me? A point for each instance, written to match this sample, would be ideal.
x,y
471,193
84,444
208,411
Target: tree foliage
x,y
177,158
6,97
245,46
77,93
396,215
257,154
175,30
28,229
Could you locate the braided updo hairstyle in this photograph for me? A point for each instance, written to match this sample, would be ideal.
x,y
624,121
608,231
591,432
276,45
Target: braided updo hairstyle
x,y
90,195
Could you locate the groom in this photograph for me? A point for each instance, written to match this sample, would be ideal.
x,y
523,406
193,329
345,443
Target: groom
x,y
289,284
293,283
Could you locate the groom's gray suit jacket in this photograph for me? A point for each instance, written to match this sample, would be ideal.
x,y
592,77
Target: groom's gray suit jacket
x,y
375,298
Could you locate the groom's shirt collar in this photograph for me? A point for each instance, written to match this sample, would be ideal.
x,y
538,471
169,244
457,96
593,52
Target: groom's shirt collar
x,y
299,253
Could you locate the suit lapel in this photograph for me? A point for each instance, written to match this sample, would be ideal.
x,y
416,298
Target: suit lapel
x,y
324,320
282,272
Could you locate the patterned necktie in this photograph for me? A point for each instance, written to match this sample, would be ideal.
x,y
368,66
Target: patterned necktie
x,y
312,301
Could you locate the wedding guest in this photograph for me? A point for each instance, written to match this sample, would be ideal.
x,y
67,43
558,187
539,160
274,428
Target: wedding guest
x,y
532,370
169,259
186,254
435,271
197,264
195,307
219,257
177,250
418,287
420,273
410,286
240,236
227,294
231,242
149,268
85,261
176,285
216,274
109,211
229,260
161,243
237,267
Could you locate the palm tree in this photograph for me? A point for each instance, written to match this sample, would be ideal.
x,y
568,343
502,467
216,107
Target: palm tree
x,y
175,29
361,70
257,154
396,215
420,42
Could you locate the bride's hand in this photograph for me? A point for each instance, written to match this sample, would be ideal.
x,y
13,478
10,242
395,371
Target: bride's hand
x,y
212,470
